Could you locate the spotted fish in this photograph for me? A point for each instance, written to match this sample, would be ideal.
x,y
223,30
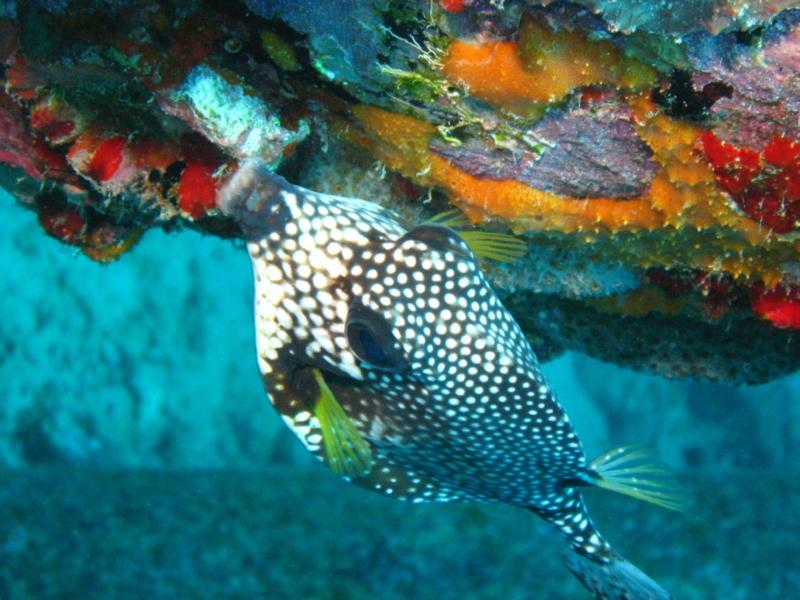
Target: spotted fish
x,y
387,352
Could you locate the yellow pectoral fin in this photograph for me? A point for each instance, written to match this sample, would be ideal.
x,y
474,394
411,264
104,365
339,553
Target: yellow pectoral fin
x,y
347,453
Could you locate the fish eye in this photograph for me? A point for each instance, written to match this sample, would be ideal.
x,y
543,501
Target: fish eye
x,y
367,344
370,338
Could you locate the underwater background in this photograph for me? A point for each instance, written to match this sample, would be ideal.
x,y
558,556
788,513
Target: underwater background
x,y
141,458
627,171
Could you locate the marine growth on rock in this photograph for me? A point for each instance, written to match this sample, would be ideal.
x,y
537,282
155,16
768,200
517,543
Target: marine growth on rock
x,y
649,157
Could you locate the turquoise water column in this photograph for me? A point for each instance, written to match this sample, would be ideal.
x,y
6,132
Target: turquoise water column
x,y
148,361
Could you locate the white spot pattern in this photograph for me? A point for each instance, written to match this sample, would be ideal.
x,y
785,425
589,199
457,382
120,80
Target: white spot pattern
x,y
470,418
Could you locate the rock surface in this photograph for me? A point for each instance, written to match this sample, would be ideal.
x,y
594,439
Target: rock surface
x,y
647,152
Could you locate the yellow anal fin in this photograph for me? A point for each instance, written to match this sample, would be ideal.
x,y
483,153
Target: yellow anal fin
x,y
348,454
637,472
496,246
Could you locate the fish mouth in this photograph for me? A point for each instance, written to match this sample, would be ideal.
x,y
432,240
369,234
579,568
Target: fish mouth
x,y
252,198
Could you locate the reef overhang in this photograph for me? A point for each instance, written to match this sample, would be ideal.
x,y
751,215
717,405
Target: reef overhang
x,y
652,164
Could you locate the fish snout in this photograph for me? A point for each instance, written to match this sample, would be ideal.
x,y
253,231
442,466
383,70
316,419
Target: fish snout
x,y
257,199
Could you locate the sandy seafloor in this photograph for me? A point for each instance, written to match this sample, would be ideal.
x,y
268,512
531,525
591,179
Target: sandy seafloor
x,y
140,459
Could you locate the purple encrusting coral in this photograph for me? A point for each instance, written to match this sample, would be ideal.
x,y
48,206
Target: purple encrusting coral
x,y
16,150
763,69
579,153
681,17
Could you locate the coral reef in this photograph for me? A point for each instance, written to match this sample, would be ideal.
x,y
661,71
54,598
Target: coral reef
x,y
648,152
665,16
241,125
760,68
542,67
598,154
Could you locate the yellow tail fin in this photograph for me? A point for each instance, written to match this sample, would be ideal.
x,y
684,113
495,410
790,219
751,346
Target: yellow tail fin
x,y
348,453
637,472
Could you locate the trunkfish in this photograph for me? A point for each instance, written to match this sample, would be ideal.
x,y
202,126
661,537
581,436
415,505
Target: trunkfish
x,y
386,351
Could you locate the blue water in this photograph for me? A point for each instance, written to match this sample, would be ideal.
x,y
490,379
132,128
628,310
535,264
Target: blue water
x,y
149,363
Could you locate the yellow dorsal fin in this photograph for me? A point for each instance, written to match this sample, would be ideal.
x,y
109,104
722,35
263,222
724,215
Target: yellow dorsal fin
x,y
348,454
485,244
449,218
637,472
497,246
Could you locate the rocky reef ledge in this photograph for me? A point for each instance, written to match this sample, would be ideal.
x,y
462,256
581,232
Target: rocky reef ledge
x,y
647,152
